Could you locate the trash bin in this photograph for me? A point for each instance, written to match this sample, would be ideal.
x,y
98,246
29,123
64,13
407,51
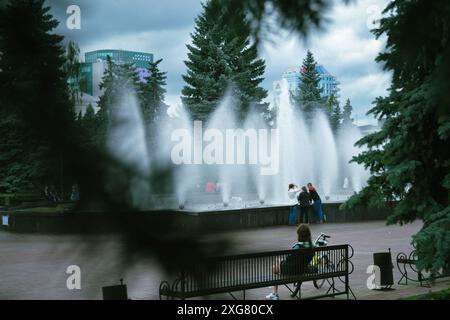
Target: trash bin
x,y
384,261
118,292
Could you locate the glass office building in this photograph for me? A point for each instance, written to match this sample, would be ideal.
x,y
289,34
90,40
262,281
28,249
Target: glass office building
x,y
328,82
95,65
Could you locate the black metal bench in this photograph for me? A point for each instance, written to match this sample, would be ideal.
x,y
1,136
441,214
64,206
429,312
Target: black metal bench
x,y
230,274
405,262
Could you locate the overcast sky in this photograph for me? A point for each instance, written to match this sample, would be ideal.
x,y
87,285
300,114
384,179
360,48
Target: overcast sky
x,y
345,47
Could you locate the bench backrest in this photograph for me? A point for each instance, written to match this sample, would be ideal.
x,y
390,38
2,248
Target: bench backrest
x,y
254,270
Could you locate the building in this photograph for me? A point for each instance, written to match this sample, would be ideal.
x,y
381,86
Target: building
x,y
369,129
95,63
94,66
328,83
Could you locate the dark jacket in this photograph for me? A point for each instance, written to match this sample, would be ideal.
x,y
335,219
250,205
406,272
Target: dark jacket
x,y
314,195
304,199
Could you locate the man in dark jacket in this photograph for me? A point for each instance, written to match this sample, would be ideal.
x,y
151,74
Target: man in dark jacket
x,y
304,201
317,206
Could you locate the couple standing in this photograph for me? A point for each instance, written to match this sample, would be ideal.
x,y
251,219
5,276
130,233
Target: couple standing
x,y
307,197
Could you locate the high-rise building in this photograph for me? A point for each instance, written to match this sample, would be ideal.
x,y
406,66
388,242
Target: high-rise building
x,y
96,62
328,83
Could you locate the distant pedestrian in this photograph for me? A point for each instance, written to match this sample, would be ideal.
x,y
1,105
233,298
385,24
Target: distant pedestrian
x,y
75,195
317,205
53,195
304,201
47,193
210,187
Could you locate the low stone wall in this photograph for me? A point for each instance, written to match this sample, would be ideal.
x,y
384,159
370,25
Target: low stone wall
x,y
174,221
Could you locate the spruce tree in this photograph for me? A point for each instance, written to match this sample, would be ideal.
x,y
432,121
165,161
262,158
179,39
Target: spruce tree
x,y
72,68
308,96
410,157
336,113
115,78
34,96
347,114
152,93
220,57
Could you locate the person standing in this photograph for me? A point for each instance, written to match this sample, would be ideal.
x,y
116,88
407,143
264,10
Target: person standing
x,y
317,205
304,201
293,191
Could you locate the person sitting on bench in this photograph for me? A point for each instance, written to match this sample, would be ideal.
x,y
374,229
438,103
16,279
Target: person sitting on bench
x,y
291,264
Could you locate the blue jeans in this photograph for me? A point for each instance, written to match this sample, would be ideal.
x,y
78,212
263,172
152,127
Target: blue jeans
x,y
317,207
293,215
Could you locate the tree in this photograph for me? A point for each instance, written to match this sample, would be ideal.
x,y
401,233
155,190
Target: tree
x,y
88,130
336,114
38,116
115,78
72,68
221,56
308,95
152,93
347,114
410,157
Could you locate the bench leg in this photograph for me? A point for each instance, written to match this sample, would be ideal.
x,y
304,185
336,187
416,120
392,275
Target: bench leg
x,y
404,275
232,295
298,291
332,285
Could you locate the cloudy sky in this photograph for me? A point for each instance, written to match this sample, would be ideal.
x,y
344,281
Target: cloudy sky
x,y
345,46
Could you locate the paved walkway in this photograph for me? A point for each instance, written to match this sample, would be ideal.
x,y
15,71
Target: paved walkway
x,y
34,266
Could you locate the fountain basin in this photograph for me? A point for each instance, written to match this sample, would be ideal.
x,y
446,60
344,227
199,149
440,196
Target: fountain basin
x,y
177,221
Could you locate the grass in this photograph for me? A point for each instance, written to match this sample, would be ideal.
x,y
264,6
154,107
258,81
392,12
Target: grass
x,y
438,295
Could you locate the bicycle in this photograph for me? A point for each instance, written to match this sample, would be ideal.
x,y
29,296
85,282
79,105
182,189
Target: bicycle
x,y
321,260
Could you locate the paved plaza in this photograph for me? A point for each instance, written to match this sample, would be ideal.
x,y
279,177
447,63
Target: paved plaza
x,y
33,266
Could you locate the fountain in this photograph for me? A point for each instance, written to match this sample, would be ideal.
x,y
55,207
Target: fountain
x,y
228,156
127,146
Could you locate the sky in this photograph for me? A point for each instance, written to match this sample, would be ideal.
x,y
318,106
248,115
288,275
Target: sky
x,y
345,46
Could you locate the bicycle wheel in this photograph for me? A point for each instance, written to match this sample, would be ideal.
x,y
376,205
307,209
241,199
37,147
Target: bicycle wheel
x,y
323,265
318,283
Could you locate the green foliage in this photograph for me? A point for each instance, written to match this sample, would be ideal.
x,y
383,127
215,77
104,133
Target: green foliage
x,y
115,78
308,95
410,157
333,111
152,93
222,57
37,118
347,113
436,295
300,16
72,68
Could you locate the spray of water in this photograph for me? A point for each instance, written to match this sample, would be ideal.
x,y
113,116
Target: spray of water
x,y
307,153
354,172
325,154
126,143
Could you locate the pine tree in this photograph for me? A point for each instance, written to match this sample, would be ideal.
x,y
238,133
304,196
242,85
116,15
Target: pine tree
x,y
72,68
410,157
89,129
221,56
335,114
115,78
39,118
152,93
347,114
308,96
